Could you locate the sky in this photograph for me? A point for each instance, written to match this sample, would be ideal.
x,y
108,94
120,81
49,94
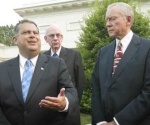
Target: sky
x,y
7,15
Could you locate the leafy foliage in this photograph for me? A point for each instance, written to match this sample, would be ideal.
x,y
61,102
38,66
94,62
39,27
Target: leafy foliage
x,y
6,34
94,36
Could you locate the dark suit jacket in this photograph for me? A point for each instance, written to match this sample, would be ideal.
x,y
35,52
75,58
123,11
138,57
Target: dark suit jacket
x,y
73,61
50,75
126,94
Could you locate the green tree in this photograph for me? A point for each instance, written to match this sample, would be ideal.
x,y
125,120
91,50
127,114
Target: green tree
x,y
94,36
6,34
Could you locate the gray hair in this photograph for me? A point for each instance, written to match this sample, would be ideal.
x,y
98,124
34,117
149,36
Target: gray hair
x,y
125,9
16,28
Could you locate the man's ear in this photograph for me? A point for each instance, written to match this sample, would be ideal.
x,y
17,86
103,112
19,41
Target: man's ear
x,y
129,19
45,37
14,40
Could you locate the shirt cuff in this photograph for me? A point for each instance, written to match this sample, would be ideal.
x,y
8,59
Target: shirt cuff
x,y
101,123
116,121
67,106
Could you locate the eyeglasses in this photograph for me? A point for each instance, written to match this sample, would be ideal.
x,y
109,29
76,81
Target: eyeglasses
x,y
113,18
58,35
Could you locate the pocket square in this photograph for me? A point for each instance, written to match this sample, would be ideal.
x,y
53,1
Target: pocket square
x,y
42,68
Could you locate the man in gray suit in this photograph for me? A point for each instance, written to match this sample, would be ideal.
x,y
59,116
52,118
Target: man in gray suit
x,y
72,58
121,77
51,95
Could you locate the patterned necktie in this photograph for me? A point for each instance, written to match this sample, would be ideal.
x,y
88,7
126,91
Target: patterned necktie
x,y
26,78
117,56
55,55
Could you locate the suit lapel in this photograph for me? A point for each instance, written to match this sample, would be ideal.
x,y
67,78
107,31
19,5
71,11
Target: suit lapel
x,y
48,52
38,73
14,73
128,55
63,54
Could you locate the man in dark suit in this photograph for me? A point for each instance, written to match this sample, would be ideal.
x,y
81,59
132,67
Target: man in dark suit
x,y
121,88
51,95
72,58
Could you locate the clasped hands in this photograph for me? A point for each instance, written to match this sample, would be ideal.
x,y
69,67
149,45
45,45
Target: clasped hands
x,y
55,103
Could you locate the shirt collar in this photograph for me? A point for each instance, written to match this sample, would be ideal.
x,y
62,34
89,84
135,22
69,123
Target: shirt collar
x,y
126,40
58,52
22,60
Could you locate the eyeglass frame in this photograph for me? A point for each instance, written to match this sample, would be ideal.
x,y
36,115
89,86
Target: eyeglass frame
x,y
58,35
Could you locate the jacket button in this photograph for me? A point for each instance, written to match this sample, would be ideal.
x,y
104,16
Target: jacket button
x,y
110,89
25,112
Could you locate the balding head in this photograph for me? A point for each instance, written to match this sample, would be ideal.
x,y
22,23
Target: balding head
x,y
53,36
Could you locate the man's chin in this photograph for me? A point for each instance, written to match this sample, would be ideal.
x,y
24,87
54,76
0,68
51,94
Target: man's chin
x,y
56,47
112,35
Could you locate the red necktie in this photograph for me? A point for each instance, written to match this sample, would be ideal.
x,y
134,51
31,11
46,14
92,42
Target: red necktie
x,y
117,56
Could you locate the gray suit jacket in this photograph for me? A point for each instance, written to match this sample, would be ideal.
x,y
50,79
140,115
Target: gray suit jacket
x,y
126,94
73,62
50,75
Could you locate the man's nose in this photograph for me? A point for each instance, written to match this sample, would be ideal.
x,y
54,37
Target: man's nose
x,y
108,23
55,36
32,34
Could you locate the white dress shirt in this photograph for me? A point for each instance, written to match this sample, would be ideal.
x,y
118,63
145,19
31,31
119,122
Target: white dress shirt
x,y
125,41
58,52
22,61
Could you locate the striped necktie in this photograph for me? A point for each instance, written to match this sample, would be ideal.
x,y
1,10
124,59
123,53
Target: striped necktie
x,y
26,78
55,55
117,56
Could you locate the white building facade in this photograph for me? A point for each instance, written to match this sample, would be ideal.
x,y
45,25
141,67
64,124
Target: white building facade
x,y
68,14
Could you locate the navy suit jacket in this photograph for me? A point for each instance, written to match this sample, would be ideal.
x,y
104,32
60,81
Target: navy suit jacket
x,y
126,94
50,75
74,65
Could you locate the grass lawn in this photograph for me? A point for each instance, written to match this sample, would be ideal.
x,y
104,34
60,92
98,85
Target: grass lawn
x,y
85,119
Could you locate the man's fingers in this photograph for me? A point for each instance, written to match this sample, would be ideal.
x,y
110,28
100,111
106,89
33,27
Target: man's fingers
x,y
62,92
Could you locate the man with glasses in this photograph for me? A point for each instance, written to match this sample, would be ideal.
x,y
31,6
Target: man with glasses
x,y
54,37
121,77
